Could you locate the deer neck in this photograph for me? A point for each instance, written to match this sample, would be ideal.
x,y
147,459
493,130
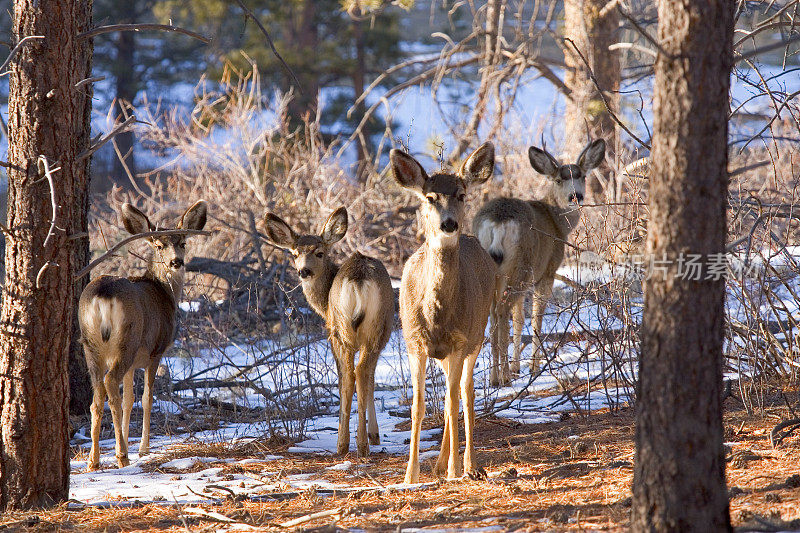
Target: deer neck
x,y
318,289
565,215
440,275
171,281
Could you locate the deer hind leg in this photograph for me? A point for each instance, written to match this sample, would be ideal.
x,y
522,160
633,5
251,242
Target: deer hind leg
x,y
373,433
112,381
362,395
96,409
541,293
471,467
347,382
501,370
518,319
417,361
147,405
127,402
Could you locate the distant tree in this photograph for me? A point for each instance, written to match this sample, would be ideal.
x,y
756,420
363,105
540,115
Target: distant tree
x,y
591,26
679,471
49,117
135,62
335,44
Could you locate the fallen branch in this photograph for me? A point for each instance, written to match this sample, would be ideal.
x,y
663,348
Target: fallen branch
x,y
313,516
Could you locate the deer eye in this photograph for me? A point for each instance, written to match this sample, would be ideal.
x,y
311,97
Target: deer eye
x,y
319,254
431,199
182,246
461,197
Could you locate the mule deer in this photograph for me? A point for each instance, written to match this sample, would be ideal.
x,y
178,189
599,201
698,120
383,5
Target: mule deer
x,y
445,295
128,323
357,303
526,239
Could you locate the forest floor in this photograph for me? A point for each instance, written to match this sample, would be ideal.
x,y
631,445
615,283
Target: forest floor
x,y
572,474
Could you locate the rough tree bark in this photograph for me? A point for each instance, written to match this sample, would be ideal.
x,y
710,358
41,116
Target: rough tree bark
x,y
48,116
586,113
679,473
127,86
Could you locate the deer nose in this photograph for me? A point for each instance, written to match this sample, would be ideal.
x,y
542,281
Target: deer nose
x,y
449,225
304,272
497,256
176,263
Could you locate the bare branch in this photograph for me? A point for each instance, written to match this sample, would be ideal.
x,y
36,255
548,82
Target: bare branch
x,y
161,233
139,27
16,49
767,48
603,96
119,128
271,44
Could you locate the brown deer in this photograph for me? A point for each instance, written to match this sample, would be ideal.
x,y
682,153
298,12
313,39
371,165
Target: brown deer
x,y
445,296
128,323
357,303
526,239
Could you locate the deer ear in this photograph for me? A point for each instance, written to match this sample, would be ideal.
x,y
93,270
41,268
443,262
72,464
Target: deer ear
x,y
479,166
135,221
592,155
335,227
407,171
194,217
542,162
278,232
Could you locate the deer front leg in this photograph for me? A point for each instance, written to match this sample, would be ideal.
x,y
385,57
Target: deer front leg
x,y
417,361
541,294
362,395
147,406
452,365
373,432
440,469
127,402
471,467
518,318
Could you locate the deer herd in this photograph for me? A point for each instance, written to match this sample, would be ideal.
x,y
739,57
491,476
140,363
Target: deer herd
x,y
450,288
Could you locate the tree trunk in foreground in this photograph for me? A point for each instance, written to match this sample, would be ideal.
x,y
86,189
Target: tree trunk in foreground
x,y
679,473
48,116
586,114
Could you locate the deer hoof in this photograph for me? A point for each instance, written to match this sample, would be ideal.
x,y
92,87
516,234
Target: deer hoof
x,y
478,474
374,439
91,467
123,461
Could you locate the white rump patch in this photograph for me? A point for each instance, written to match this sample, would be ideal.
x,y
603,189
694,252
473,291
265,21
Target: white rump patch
x,y
500,237
356,298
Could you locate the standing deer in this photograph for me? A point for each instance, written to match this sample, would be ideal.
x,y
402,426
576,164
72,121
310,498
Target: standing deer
x,y
526,239
445,296
128,323
357,303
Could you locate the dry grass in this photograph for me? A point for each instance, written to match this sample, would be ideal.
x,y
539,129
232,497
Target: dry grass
x,y
574,474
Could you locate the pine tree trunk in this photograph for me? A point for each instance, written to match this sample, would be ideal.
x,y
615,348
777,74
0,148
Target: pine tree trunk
x,y
126,89
48,116
359,75
679,473
587,115
306,37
